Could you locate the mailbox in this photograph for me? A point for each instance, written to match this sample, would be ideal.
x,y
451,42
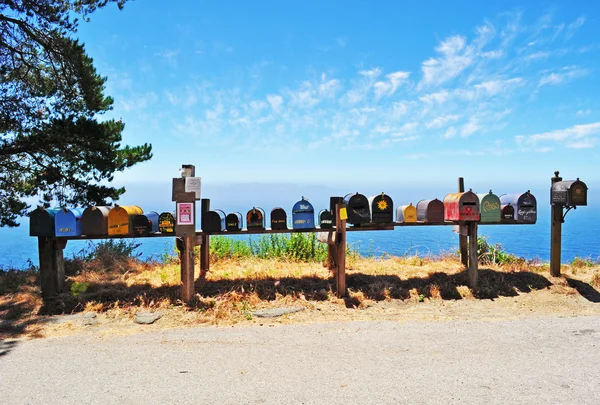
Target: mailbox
x,y
507,213
255,219
358,209
41,222
461,207
489,205
278,218
333,201
233,222
213,221
67,222
325,219
145,224
94,221
382,209
570,193
303,215
406,213
120,219
431,211
524,205
166,223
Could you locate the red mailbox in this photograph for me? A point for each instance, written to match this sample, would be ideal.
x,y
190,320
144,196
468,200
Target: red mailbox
x,y
462,207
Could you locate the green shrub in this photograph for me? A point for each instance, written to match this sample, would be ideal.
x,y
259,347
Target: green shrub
x,y
493,253
581,262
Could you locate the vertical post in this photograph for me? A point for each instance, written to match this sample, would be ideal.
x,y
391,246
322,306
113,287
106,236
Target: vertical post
x,y
52,265
331,256
187,269
462,237
473,259
205,242
555,233
340,247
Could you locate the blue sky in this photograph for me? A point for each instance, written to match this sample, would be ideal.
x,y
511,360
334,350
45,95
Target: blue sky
x,y
356,95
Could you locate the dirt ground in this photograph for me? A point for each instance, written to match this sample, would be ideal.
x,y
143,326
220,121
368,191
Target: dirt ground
x,y
393,289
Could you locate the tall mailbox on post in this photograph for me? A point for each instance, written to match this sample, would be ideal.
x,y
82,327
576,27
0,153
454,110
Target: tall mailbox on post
x,y
563,194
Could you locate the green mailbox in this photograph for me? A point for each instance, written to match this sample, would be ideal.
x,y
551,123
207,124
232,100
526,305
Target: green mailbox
x,y
41,222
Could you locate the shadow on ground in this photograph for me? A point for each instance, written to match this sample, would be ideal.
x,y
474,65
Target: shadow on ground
x,y
492,284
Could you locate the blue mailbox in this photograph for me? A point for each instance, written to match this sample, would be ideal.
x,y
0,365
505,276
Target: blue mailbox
x,y
67,222
303,215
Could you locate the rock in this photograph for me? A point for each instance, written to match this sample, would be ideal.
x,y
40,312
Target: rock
x,y
147,318
89,319
275,312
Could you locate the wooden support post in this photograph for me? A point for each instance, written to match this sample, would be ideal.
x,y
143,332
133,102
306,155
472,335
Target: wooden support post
x,y
331,256
187,268
340,247
462,237
555,234
52,265
205,242
473,258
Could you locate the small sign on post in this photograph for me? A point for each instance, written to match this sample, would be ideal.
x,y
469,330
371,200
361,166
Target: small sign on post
x,y
185,213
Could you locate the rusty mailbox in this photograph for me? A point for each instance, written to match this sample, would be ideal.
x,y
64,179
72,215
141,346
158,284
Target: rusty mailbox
x,y
431,211
278,218
406,213
233,222
255,219
570,193
94,221
462,207
524,205
382,209
358,209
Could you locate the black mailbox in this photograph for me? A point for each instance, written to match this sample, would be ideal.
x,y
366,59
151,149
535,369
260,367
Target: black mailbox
x,y
233,222
166,223
41,222
507,213
255,219
382,209
278,218
570,193
325,219
333,201
358,209
213,221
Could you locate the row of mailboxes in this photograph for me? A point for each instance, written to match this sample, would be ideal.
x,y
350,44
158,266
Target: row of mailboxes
x,y
99,221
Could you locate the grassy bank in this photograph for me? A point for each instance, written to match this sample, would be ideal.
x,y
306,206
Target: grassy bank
x,y
274,271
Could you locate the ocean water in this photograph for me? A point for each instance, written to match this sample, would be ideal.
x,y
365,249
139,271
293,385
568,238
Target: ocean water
x,y
581,238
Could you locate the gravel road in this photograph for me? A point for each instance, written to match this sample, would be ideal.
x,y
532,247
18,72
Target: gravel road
x,y
527,361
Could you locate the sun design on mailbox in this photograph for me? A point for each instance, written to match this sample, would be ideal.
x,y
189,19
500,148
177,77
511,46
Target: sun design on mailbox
x,y
382,205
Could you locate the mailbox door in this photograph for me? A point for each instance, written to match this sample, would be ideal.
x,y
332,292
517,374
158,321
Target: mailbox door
x,y
325,219
255,219
166,223
94,221
233,222
507,212
358,209
278,218
382,209
527,208
141,225
489,204
469,209
68,222
41,222
409,213
213,221
303,215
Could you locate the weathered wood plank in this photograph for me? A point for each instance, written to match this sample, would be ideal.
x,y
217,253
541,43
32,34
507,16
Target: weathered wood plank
x,y
52,265
473,257
340,247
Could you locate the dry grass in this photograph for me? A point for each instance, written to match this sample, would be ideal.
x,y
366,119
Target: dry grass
x,y
235,288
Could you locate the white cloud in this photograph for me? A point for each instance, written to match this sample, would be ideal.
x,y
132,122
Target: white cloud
x,y
455,56
494,87
577,136
389,87
564,75
362,87
450,133
442,121
573,28
275,101
583,113
470,128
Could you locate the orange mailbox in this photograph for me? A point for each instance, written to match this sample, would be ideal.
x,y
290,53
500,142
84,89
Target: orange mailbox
x,y
462,207
120,218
